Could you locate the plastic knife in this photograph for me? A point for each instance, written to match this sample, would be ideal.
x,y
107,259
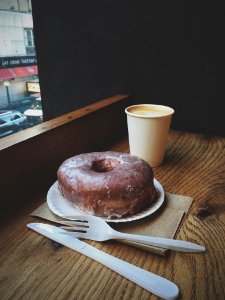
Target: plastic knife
x,y
149,281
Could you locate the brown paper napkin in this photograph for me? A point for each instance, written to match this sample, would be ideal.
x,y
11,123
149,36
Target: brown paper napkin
x,y
163,223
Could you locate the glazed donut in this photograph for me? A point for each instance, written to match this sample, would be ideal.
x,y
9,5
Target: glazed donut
x,y
109,184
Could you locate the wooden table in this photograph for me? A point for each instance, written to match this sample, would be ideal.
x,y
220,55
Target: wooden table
x,y
33,267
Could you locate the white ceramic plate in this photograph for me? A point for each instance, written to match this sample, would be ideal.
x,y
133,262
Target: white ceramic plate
x,y
62,208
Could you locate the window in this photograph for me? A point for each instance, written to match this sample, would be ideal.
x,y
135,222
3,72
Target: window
x,y
18,67
29,37
16,117
29,41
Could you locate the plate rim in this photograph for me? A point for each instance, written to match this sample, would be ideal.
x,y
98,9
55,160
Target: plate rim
x,y
145,213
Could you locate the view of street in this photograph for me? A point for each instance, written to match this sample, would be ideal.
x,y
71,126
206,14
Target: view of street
x,y
20,98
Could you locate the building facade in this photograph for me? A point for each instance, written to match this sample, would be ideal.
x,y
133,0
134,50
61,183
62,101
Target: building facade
x,y
18,64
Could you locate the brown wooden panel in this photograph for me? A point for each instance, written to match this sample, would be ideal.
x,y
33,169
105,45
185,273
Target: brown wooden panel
x,y
32,162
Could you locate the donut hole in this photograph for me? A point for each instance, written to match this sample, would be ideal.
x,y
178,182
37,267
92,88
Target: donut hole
x,y
105,165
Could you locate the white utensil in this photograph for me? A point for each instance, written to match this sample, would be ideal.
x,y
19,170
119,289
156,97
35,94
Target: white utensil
x,y
149,281
94,228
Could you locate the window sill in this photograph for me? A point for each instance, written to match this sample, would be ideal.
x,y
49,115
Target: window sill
x,y
44,127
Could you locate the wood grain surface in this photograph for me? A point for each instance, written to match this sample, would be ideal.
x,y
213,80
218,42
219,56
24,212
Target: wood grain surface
x,y
33,267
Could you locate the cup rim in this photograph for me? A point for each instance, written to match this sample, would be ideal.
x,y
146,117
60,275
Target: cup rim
x,y
155,105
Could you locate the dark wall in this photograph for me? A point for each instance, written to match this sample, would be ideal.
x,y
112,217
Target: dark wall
x,y
166,52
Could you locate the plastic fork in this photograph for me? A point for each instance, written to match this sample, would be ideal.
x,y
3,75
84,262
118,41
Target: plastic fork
x,y
96,229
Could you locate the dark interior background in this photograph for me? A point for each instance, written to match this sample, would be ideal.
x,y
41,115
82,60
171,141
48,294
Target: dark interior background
x,y
166,52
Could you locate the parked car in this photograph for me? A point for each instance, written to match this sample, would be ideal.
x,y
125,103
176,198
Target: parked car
x,y
35,113
11,121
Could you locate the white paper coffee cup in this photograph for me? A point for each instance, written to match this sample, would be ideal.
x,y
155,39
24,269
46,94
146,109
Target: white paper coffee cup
x,y
148,128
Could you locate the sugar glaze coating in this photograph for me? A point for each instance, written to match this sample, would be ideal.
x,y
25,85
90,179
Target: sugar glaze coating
x,y
109,184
